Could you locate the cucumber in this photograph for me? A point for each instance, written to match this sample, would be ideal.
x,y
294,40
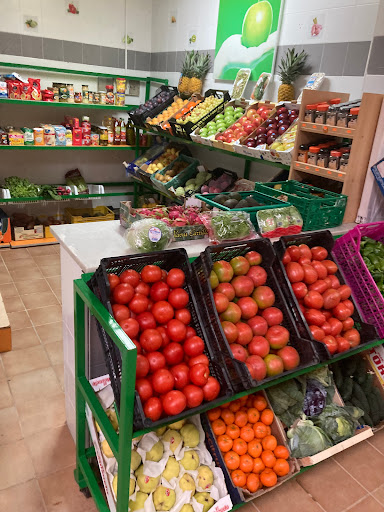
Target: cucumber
x,y
360,395
337,375
367,386
375,409
346,389
350,366
380,402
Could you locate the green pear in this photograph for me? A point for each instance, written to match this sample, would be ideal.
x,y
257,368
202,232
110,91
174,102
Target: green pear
x,y
205,499
173,438
177,425
186,483
191,460
146,483
138,504
160,431
132,485
111,413
257,24
106,449
190,435
156,452
204,477
172,469
186,508
135,460
164,498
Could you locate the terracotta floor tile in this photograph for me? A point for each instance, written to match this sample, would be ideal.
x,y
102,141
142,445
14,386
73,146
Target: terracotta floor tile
x,y
369,504
47,260
250,507
59,370
25,360
21,264
54,281
13,304
329,494
51,270
8,290
5,277
289,497
41,414
46,315
2,371
24,497
50,332
55,352
51,450
61,493
24,338
6,399
15,464
378,441
33,385
19,320
15,254
9,426
19,275
379,494
32,286
42,251
39,300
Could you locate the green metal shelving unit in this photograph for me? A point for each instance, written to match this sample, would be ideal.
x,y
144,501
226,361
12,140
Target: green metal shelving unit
x,y
85,301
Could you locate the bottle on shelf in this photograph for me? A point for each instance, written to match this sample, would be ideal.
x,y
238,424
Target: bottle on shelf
x,y
123,132
117,130
76,133
131,137
86,131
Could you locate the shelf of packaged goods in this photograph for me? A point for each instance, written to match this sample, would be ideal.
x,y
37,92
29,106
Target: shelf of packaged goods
x,y
319,171
71,148
66,104
326,129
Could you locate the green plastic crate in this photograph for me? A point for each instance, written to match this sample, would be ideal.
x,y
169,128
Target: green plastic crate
x,y
317,212
181,178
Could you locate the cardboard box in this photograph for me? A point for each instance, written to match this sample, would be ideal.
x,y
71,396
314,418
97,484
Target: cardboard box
x,y
28,234
5,228
5,329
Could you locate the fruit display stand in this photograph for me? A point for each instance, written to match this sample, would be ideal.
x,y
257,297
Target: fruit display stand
x,y
361,138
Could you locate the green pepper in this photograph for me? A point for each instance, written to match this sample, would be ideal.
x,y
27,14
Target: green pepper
x,y
374,259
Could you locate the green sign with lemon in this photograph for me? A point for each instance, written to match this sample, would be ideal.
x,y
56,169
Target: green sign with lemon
x,y
247,37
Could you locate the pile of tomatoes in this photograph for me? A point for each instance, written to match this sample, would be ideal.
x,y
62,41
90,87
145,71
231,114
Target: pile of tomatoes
x,y
172,371
251,453
250,322
323,300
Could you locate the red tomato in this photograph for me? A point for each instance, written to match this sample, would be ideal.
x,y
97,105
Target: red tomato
x,y
349,304
259,346
164,336
174,402
175,278
221,302
180,373
341,312
331,343
327,314
153,408
300,289
120,312
244,333
142,366
131,277
317,332
151,274
286,258
142,288
138,346
314,317
131,327
326,328
319,253
230,331
146,320
144,388
342,344
294,253
277,336
151,340
176,330
344,291
173,353
123,293
273,316
259,325
183,315
190,331
258,275
310,274
320,269
162,381
201,359
295,272
114,280
193,346
159,291
150,304
178,298
348,324
305,251
211,389
156,361
330,266
313,300
162,311
164,274
199,374
139,303
194,395
336,326
331,298
320,286
335,283
304,261
353,337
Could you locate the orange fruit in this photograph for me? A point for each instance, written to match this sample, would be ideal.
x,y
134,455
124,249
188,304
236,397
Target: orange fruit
x,y
233,431
243,399
218,427
268,430
232,460
253,415
235,406
253,482
225,443
247,434
268,477
228,416
255,448
269,443
246,463
258,465
260,430
241,418
240,446
259,403
281,452
238,478
281,467
267,417
225,406
249,402
214,414
268,458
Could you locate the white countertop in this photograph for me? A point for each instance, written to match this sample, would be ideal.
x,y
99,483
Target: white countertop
x,y
89,242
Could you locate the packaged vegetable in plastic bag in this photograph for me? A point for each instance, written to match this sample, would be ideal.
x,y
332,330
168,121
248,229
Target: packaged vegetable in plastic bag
x,y
277,222
305,439
149,235
228,226
339,422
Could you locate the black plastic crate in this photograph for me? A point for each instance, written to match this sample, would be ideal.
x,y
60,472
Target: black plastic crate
x,y
99,284
238,371
324,239
139,119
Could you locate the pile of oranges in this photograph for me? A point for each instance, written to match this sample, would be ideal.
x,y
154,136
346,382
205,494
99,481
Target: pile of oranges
x,y
250,451
178,109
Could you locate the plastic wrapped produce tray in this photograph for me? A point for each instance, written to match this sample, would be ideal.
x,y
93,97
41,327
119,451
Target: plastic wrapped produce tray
x,y
139,119
325,239
238,372
364,289
99,284
317,212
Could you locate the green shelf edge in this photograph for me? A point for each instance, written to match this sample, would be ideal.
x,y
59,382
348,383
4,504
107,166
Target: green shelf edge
x,y
10,101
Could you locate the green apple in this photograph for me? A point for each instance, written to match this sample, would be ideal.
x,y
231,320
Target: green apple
x,y
173,438
205,499
135,460
190,435
219,116
138,504
186,483
203,132
204,477
156,452
239,109
222,129
146,483
172,469
191,460
238,115
229,109
257,24
164,498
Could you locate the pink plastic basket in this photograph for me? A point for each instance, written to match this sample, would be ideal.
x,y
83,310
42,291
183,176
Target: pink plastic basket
x,y
364,289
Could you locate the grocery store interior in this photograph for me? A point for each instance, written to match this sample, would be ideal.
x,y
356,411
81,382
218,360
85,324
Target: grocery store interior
x,y
192,256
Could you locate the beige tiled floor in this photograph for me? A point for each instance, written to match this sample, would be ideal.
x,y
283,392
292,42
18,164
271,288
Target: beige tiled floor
x,y
37,454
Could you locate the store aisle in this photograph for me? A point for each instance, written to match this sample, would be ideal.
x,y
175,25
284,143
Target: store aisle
x,y
37,454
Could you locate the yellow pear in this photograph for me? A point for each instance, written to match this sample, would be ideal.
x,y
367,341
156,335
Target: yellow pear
x,y
111,413
132,485
186,483
186,508
156,452
135,460
205,499
164,498
160,431
190,435
172,469
191,460
106,449
177,425
173,438
204,477
146,483
138,504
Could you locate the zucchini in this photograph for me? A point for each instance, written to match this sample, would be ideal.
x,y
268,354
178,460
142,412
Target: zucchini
x,y
367,386
375,410
380,402
368,420
346,389
360,395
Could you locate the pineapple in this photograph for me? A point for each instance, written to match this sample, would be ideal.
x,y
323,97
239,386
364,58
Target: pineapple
x,y
186,73
291,66
199,71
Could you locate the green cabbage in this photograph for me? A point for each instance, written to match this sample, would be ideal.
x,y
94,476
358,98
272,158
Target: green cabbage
x,y
305,439
149,235
339,422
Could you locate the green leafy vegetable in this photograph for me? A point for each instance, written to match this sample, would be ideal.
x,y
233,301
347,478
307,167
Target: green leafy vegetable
x,y
306,439
149,235
231,225
21,187
339,422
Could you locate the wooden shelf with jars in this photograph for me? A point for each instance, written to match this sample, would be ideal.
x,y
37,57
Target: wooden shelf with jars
x,y
360,138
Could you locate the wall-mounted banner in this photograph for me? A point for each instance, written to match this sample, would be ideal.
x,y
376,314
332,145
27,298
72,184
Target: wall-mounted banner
x,y
247,37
